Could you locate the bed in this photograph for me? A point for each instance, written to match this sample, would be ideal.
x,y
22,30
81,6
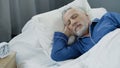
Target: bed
x,y
33,45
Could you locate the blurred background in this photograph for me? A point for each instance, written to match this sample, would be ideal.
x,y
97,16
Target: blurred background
x,y
15,13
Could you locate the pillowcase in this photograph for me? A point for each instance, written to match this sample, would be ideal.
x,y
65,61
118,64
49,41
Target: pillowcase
x,y
77,3
47,23
97,13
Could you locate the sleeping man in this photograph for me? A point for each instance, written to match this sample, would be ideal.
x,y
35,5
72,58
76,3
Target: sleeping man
x,y
87,33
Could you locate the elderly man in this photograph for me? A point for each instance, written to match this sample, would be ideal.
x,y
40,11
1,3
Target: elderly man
x,y
87,33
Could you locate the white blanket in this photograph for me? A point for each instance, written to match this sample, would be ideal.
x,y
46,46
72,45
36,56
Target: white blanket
x,y
105,54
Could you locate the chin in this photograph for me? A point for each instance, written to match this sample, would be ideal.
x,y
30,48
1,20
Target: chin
x,y
81,32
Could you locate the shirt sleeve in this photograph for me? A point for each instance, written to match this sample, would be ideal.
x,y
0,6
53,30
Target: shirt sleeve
x,y
114,17
61,51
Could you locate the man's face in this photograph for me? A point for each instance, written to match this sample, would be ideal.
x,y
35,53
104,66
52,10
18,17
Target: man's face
x,y
77,21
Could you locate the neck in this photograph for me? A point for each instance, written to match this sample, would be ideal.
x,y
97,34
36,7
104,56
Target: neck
x,y
86,33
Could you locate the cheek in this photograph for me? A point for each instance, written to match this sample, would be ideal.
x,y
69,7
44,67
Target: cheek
x,y
85,22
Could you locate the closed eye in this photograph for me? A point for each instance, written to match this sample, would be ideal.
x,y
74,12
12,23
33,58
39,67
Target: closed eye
x,y
74,16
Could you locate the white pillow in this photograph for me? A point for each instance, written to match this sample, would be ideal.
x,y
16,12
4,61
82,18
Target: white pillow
x,y
97,13
49,22
77,3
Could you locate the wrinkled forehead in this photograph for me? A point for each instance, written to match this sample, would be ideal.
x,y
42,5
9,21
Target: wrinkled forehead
x,y
70,12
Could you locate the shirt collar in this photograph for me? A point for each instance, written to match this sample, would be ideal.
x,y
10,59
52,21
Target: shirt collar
x,y
96,20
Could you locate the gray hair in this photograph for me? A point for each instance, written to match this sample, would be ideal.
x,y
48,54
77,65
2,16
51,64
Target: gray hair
x,y
77,8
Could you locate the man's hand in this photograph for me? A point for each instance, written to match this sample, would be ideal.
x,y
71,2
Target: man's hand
x,y
67,31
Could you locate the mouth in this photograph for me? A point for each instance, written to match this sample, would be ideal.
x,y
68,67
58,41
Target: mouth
x,y
78,27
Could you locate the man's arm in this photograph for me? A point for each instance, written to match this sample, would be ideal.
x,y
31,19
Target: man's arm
x,y
61,51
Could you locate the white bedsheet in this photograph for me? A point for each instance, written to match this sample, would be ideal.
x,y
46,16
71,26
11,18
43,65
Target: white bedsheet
x,y
105,54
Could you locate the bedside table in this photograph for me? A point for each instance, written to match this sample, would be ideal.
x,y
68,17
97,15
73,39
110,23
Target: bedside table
x,y
9,61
